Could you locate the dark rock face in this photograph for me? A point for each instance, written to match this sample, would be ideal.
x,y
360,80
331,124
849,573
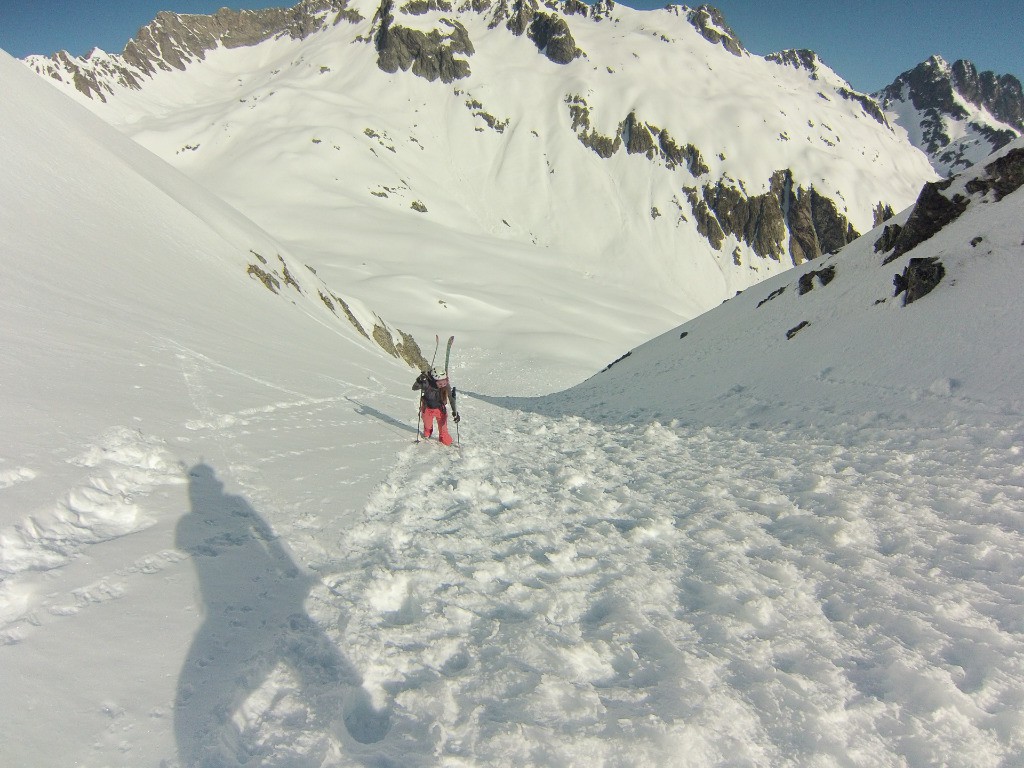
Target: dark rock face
x,y
757,221
761,221
939,90
771,296
1005,175
929,87
548,31
638,138
687,155
1001,95
552,37
919,279
882,213
889,238
432,56
420,7
868,104
429,55
604,146
710,22
798,58
707,223
796,329
806,282
816,226
932,211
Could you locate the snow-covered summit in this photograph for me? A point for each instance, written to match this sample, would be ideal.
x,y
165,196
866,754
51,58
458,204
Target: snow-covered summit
x,y
647,150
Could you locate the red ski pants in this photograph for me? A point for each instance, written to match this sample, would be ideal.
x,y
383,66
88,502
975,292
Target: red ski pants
x,y
430,415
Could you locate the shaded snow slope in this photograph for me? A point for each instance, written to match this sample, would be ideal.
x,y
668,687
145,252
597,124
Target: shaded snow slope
x,y
132,338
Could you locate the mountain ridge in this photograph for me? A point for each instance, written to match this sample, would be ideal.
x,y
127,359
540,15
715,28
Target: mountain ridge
x,y
552,125
957,115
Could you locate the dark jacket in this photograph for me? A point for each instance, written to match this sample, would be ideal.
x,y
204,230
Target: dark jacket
x,y
433,396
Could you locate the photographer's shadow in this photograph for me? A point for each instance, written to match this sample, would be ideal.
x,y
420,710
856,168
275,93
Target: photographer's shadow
x,y
255,622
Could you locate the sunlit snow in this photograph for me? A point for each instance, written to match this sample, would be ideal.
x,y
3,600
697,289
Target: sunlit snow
x,y
220,544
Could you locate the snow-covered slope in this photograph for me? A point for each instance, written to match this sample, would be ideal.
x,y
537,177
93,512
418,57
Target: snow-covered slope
x,y
219,546
645,153
134,331
831,340
955,114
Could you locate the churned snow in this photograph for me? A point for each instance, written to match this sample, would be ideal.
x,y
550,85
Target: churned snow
x,y
219,544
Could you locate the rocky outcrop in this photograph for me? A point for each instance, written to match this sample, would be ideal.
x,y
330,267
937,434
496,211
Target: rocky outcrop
x,y
420,7
868,104
815,226
929,86
579,112
710,22
1005,175
813,221
882,213
431,55
686,155
756,220
1001,95
798,58
550,33
890,236
638,137
706,220
806,282
920,278
932,211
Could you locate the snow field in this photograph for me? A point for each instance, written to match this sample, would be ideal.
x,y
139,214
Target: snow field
x,y
559,590
102,506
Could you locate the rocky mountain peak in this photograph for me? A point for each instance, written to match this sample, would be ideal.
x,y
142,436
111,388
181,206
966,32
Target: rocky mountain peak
x,y
960,115
466,146
172,41
999,94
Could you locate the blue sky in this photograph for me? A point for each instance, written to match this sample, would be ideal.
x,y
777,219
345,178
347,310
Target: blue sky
x,y
866,41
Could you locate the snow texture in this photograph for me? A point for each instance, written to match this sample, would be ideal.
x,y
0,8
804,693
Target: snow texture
x,y
220,546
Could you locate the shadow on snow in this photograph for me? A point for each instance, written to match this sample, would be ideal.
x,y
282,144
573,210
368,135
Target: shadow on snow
x,y
255,622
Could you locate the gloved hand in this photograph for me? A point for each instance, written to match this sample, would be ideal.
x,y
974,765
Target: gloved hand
x,y
456,418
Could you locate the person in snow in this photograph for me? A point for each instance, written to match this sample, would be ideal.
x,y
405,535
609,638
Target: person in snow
x,y
435,396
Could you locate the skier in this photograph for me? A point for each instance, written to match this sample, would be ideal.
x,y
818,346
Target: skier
x,y
435,396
